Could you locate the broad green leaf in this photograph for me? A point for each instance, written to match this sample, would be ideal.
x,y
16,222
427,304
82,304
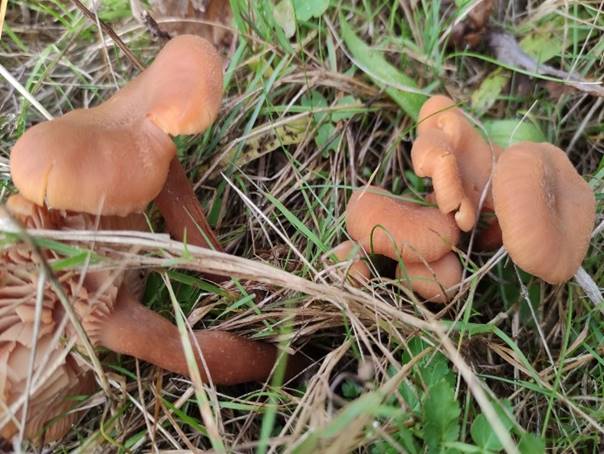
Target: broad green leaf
x,y
285,16
487,93
409,393
433,368
405,438
314,100
531,444
484,435
508,132
306,9
383,74
482,432
346,114
328,138
440,416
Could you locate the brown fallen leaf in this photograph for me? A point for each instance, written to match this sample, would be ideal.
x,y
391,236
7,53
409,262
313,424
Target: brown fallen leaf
x,y
210,19
471,30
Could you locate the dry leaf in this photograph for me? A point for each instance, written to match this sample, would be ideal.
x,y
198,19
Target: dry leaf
x,y
196,16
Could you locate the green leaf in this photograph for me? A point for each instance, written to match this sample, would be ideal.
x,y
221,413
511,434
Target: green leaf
x,y
314,100
114,10
531,444
508,132
346,114
285,16
489,90
328,138
440,416
482,432
306,9
484,435
350,390
433,368
383,73
293,220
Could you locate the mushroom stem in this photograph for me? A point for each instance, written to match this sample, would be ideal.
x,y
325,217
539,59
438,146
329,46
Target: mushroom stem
x,y
134,330
180,208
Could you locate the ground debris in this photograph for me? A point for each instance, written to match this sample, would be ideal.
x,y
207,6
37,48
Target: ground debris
x,y
508,51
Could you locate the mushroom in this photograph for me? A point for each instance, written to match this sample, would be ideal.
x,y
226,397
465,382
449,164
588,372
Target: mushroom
x,y
112,316
383,224
351,251
433,281
459,161
115,158
545,209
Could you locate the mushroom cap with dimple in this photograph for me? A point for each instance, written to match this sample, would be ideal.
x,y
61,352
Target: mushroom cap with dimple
x,y
113,159
385,225
545,209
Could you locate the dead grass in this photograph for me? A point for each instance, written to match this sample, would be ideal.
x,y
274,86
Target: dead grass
x,y
275,173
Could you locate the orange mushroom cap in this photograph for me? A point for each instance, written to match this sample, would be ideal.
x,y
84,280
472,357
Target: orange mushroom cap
x,y
429,281
384,225
113,159
545,209
358,271
459,161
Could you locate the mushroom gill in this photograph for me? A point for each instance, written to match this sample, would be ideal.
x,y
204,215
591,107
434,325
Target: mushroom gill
x,y
109,308
57,373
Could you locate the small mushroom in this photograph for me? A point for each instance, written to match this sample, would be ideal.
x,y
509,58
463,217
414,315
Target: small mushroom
x,y
115,158
350,251
545,209
433,281
459,161
112,316
385,225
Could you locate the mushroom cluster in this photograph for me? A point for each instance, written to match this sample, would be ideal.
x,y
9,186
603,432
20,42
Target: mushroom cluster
x,y
100,168
539,207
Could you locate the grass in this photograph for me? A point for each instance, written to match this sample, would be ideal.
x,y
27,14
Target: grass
x,y
510,363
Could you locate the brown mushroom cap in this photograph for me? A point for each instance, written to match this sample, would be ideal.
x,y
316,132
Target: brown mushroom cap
x,y
429,281
459,161
385,225
113,159
358,270
545,209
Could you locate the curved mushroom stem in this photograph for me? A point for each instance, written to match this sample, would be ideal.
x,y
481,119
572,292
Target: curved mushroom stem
x,y
228,359
180,208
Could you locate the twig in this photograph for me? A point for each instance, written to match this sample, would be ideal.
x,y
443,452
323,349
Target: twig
x,y
107,29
